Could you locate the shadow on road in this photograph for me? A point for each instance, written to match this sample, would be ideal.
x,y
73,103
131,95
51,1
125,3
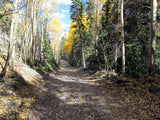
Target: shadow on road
x,y
68,97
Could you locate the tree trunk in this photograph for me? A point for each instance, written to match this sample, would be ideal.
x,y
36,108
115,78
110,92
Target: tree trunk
x,y
116,55
106,62
83,56
96,20
96,29
152,46
11,46
116,37
22,49
122,38
34,28
41,47
3,72
13,32
26,45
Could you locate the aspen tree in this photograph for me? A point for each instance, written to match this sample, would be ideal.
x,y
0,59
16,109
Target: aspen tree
x,y
122,37
152,44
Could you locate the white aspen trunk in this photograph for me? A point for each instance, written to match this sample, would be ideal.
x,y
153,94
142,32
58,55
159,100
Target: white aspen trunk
x,y
122,37
22,52
106,62
96,20
96,27
152,46
26,45
13,32
29,40
25,53
28,32
34,28
116,55
41,49
36,34
83,56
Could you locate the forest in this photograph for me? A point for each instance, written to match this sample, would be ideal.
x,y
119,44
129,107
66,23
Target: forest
x,y
115,43
115,35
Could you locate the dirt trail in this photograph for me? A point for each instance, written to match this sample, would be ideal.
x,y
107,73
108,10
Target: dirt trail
x,y
70,95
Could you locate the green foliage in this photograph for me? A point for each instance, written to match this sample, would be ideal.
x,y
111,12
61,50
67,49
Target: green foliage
x,y
5,24
62,47
48,63
47,50
93,62
157,61
81,40
45,67
105,51
106,40
75,56
137,43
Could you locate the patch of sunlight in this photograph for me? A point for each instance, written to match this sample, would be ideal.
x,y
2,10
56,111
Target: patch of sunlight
x,y
72,78
93,80
71,98
99,100
61,69
115,105
77,100
65,78
90,82
62,96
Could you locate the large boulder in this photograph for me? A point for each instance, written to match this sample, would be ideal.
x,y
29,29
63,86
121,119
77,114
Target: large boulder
x,y
29,75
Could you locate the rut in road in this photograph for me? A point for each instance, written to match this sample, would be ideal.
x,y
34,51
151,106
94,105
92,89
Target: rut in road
x,y
72,96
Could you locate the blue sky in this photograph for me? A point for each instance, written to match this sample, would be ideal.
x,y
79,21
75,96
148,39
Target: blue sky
x,y
63,14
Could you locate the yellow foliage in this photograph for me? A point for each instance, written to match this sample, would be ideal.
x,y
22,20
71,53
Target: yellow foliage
x,y
6,9
98,2
9,5
72,34
98,6
71,37
53,8
55,25
85,22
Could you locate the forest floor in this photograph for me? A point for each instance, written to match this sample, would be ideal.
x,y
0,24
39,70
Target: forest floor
x,y
73,95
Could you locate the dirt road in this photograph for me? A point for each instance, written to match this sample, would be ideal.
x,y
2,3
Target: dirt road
x,y
71,95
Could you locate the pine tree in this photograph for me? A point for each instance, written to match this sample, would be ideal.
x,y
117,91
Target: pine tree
x,y
79,16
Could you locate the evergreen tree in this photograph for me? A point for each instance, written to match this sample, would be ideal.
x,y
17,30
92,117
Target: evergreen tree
x,y
79,16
